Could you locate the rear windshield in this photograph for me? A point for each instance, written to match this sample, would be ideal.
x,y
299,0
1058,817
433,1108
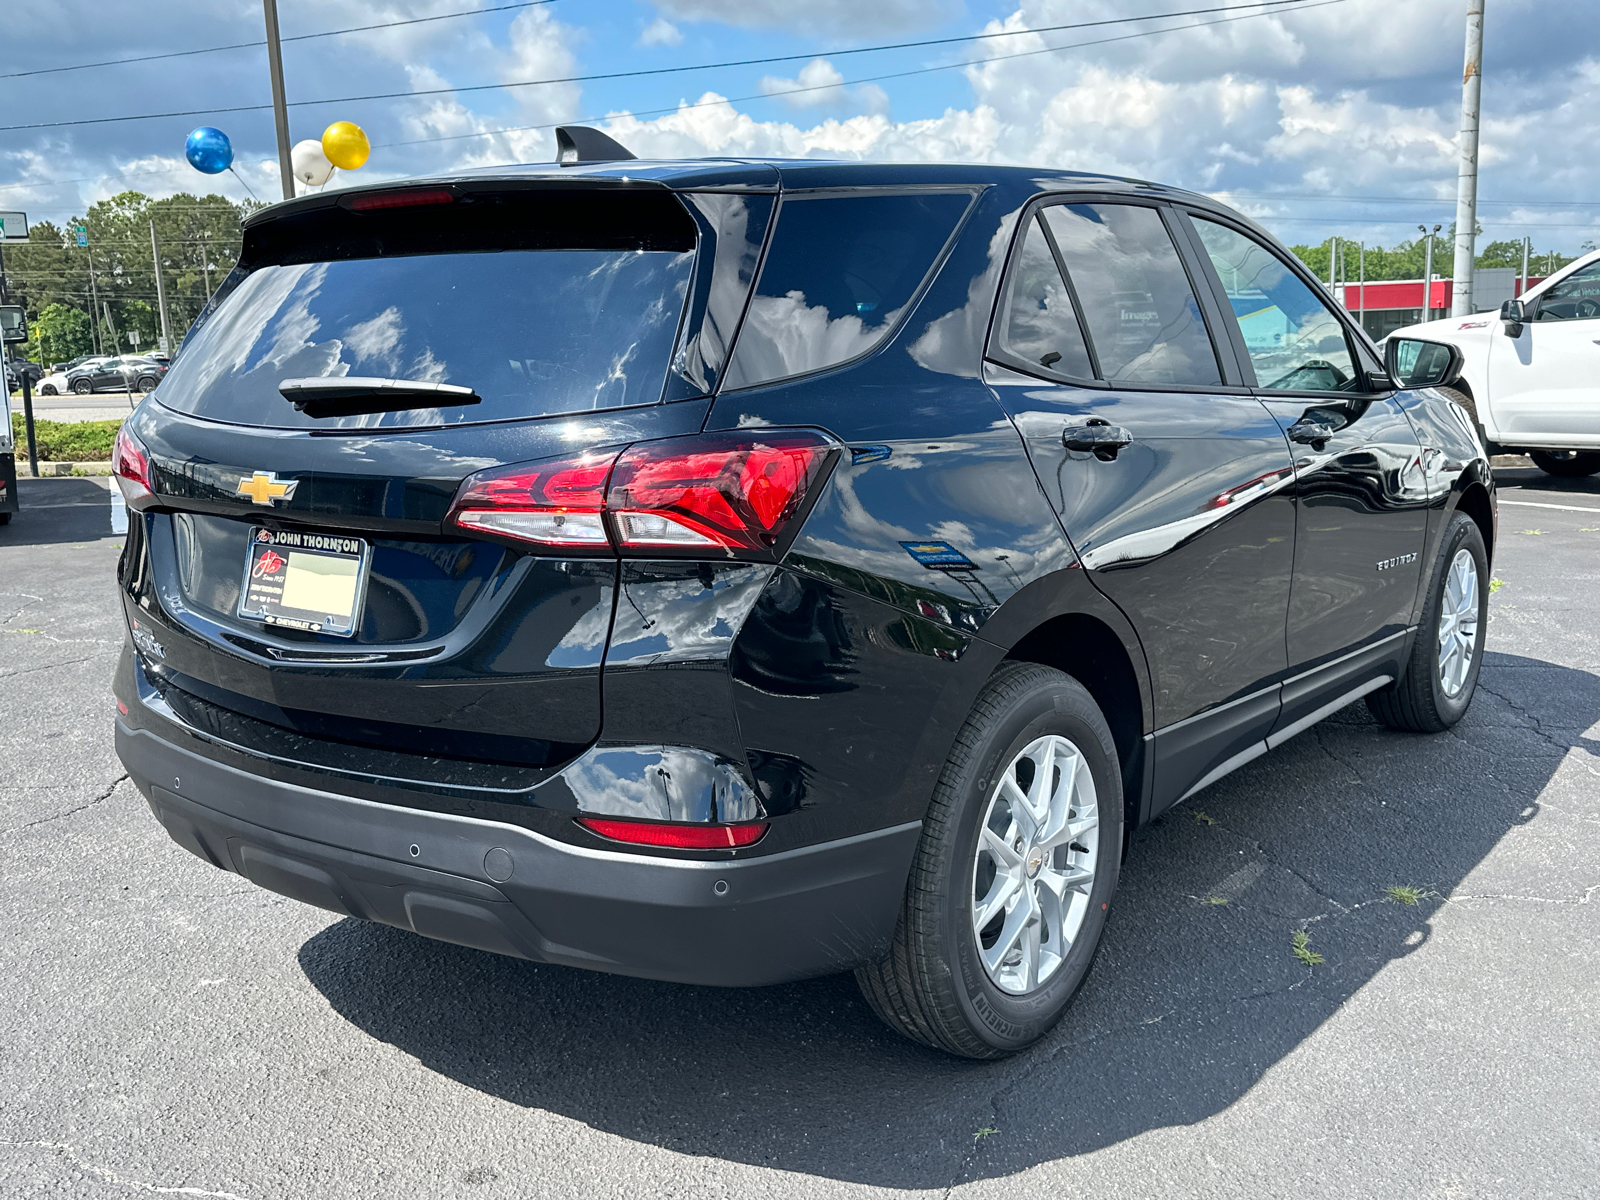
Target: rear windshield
x,y
533,331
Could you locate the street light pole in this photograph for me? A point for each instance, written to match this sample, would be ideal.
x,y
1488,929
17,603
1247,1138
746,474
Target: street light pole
x,y
161,291
280,105
1427,273
1467,177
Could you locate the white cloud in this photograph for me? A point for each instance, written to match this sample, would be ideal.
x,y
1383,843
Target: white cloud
x,y
819,85
661,32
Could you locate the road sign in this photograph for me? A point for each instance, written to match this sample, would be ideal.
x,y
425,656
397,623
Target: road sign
x,y
133,336
81,234
13,227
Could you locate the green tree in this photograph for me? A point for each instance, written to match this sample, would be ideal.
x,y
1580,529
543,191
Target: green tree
x,y
61,333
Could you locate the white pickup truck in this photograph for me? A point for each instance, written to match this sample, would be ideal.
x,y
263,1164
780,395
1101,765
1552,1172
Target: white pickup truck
x,y
1531,372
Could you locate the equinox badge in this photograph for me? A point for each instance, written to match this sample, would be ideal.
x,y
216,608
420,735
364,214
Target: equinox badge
x,y
264,488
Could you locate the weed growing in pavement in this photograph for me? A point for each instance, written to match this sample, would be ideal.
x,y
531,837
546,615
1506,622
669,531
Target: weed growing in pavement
x,y
1203,818
1534,532
986,1131
1404,893
1215,900
1495,585
1300,946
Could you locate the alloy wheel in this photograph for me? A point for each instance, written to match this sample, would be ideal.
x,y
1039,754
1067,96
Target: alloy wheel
x,y
1035,864
1458,623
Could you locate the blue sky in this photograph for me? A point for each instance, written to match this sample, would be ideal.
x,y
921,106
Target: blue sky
x,y
1338,118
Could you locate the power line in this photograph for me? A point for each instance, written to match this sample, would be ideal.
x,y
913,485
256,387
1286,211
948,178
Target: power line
x,y
746,62
844,83
302,37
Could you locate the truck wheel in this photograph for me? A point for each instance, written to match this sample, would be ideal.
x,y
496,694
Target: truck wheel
x,y
1566,464
1017,863
1441,673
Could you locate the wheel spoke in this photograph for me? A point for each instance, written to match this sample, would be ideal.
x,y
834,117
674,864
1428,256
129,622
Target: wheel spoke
x,y
1005,886
1005,856
1061,880
1022,914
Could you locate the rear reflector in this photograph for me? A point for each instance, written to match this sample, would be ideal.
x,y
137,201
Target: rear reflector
x,y
678,837
719,495
406,199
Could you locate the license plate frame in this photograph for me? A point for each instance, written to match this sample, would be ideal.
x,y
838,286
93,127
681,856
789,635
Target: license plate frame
x,y
305,566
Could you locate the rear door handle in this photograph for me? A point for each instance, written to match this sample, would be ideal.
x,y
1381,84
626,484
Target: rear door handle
x,y
1096,436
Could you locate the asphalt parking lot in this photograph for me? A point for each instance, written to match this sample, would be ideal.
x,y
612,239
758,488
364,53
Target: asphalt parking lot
x,y
168,1028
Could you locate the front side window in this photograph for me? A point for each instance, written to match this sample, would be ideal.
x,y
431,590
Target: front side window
x,y
1141,311
1295,343
1038,329
838,277
1575,298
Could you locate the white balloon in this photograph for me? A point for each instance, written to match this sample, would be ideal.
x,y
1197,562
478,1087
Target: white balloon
x,y
310,164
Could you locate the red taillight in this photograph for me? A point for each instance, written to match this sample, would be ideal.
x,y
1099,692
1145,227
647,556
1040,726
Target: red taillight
x,y
729,491
677,837
131,467
726,493
555,503
406,199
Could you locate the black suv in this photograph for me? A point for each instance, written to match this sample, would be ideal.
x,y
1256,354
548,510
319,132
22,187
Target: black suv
x,y
731,572
130,373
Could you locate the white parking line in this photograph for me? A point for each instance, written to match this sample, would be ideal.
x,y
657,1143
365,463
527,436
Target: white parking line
x,y
1562,507
119,508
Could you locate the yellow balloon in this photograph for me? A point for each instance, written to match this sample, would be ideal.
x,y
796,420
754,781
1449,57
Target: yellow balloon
x,y
346,145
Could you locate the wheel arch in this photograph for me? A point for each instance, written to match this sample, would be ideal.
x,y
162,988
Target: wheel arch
x,y
1475,502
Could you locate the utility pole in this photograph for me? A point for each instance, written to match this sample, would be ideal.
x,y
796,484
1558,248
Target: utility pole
x,y
1522,283
161,290
280,106
205,260
1333,257
1467,177
94,306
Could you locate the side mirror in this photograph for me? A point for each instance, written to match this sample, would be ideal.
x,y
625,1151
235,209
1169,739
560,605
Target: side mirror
x,y
1414,363
1512,314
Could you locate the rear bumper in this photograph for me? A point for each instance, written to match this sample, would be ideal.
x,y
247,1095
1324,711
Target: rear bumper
x,y
510,890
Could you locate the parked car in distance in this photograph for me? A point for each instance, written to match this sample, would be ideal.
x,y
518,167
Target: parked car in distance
x,y
1530,374
129,373
731,572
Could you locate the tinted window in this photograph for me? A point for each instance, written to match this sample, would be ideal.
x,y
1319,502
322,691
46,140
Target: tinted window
x,y
533,332
1575,298
1141,312
1295,342
1038,327
838,276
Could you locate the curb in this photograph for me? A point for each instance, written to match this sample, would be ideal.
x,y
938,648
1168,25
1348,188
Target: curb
x,y
51,469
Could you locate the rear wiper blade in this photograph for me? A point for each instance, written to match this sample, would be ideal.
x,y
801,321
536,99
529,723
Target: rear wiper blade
x,y
354,395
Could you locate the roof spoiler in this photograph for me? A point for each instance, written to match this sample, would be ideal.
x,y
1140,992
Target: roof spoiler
x,y
577,144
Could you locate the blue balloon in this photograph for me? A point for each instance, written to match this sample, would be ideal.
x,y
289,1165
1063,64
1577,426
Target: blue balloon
x,y
209,150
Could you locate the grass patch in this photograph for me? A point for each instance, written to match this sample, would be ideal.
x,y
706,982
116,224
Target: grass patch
x,y
66,441
1300,947
1495,585
986,1131
1404,893
1215,900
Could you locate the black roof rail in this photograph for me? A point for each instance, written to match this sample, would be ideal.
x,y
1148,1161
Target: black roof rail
x,y
579,144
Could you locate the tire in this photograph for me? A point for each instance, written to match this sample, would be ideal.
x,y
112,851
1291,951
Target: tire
x,y
1421,700
934,986
48,389
1566,464
82,387
147,383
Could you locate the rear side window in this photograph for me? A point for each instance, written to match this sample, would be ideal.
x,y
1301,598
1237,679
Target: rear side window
x,y
838,277
1038,327
534,313
1136,298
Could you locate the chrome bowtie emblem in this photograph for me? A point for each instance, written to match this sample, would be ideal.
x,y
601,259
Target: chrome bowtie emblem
x,y
264,488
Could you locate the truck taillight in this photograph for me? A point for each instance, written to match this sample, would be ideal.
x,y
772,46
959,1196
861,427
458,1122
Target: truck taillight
x,y
720,494
131,467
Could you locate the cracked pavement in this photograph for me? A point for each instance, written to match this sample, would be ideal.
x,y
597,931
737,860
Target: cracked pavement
x,y
169,1029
